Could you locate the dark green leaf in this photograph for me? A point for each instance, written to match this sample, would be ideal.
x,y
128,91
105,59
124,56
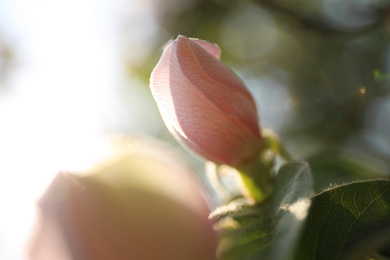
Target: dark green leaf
x,y
252,232
347,222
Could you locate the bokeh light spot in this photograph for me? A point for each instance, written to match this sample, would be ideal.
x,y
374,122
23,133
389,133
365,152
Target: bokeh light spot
x,y
362,90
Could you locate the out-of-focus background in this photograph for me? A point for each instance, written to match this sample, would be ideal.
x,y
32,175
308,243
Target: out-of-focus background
x,y
73,72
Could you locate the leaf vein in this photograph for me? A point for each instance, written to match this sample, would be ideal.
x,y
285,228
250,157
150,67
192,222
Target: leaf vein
x,y
357,217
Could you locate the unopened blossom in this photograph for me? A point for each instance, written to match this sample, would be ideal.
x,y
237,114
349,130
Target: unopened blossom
x,y
204,104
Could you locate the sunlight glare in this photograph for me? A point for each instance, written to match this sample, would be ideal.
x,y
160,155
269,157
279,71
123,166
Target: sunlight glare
x,y
52,118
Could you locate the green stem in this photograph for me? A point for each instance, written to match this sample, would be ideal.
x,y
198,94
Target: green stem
x,y
256,179
256,175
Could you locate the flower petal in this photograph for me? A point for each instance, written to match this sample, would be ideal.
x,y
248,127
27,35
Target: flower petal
x,y
194,119
217,82
211,48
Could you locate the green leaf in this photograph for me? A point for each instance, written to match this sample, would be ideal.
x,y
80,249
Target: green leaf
x,y
348,222
252,232
291,206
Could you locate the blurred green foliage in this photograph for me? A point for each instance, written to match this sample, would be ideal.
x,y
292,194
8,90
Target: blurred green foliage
x,y
331,57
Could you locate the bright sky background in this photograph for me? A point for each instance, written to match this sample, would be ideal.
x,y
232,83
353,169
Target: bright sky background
x,y
58,102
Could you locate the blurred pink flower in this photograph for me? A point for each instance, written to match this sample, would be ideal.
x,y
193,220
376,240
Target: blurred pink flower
x,y
142,203
204,104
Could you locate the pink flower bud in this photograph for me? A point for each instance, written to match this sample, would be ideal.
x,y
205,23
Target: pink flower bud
x,y
204,104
